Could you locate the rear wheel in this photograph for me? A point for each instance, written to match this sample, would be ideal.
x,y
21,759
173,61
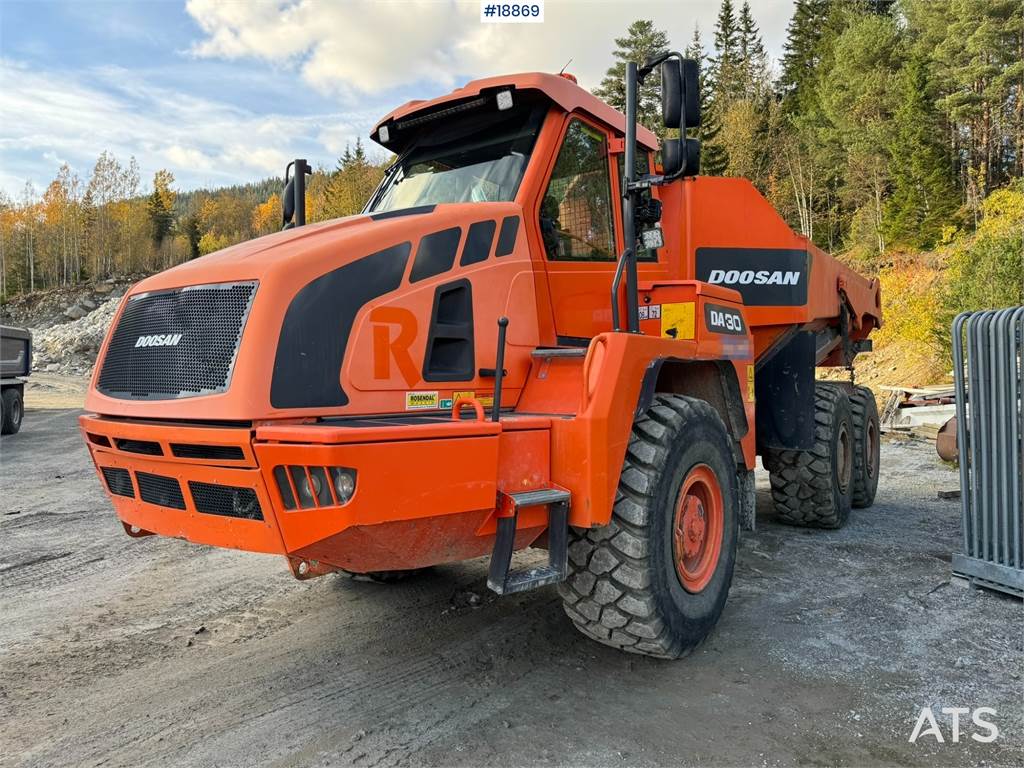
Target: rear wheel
x,y
13,410
866,446
655,579
815,487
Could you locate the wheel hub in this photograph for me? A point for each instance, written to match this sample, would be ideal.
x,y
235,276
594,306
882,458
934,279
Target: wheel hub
x,y
697,528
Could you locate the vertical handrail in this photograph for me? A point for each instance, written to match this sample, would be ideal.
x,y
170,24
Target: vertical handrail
x,y
616,282
499,369
629,202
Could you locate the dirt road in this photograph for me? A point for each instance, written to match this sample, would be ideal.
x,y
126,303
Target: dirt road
x,y
117,651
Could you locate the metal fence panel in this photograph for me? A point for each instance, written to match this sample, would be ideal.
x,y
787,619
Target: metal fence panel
x,y
988,363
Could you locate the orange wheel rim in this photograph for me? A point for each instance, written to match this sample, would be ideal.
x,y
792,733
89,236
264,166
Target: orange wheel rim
x,y
697,528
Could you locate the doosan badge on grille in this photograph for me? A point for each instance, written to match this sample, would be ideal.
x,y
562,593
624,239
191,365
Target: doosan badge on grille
x,y
158,340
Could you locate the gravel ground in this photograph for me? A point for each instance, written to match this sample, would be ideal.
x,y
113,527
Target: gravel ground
x,y
118,651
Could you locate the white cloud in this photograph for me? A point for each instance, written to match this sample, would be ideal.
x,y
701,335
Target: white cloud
x,y
365,46
47,118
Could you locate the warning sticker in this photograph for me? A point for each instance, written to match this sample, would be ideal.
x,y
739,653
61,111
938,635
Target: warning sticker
x,y
678,321
750,383
457,395
418,401
650,312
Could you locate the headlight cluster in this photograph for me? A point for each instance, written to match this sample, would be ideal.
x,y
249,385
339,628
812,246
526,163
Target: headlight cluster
x,y
310,487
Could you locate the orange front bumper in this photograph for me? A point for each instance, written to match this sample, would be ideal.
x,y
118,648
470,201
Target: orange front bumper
x,y
425,490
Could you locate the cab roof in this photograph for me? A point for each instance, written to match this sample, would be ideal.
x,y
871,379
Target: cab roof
x,y
561,90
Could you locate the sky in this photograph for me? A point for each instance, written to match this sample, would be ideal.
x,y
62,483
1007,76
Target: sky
x,y
228,91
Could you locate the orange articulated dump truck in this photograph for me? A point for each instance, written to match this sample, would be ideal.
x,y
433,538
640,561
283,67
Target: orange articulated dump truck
x,y
536,334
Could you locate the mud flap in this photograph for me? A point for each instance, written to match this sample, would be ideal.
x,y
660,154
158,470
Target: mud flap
x,y
784,387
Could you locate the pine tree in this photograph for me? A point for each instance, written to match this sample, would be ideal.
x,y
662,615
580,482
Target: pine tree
x,y
753,58
642,41
802,53
725,64
713,157
924,197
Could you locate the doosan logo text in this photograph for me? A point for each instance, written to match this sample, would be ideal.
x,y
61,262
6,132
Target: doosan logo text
x,y
750,277
158,340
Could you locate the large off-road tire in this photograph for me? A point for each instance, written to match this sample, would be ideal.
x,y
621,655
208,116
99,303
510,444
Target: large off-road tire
x,y
13,411
814,488
866,446
655,579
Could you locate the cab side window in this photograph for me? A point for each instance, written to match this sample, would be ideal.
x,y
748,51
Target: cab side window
x,y
576,212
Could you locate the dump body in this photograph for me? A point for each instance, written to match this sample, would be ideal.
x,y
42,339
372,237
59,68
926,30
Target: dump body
x,y
325,392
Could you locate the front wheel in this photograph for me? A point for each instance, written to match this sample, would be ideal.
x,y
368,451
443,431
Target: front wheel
x,y
655,579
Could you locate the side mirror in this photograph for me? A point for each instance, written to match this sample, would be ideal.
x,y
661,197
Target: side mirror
x,y
691,92
692,166
671,156
288,203
671,93
680,93
680,159
293,197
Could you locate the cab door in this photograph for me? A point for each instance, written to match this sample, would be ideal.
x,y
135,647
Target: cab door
x,y
581,230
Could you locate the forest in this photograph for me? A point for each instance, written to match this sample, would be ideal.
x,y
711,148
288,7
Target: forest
x,y
890,132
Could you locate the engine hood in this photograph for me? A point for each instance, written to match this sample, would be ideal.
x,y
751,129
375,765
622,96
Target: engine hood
x,y
278,326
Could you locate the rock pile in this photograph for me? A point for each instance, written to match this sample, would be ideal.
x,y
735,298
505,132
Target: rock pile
x,y
68,324
72,347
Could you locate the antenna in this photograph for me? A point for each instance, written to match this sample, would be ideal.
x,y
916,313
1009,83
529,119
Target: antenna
x,y
566,65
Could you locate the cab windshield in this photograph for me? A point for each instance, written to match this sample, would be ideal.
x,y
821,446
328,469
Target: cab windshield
x,y
476,156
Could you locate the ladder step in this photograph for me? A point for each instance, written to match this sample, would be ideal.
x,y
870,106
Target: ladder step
x,y
504,582
538,497
531,578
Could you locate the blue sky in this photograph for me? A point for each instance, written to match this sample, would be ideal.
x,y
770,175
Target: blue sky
x,y
225,91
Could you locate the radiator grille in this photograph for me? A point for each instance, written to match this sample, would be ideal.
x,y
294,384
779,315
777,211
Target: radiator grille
x,y
225,500
119,481
160,490
179,343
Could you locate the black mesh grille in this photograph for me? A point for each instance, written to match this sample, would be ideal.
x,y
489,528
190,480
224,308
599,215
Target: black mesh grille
x,y
179,343
147,447
160,490
225,500
189,451
119,481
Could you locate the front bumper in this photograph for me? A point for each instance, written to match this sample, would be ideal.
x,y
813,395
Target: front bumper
x,y
425,489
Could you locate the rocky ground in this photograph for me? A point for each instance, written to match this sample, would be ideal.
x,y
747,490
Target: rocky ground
x,y
67,324
135,652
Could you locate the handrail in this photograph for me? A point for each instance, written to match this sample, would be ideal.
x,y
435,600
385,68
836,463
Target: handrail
x,y
616,282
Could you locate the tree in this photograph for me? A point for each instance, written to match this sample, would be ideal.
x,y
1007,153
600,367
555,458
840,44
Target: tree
x,y
802,53
160,207
713,157
857,98
726,67
753,58
924,198
351,184
642,42
266,217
